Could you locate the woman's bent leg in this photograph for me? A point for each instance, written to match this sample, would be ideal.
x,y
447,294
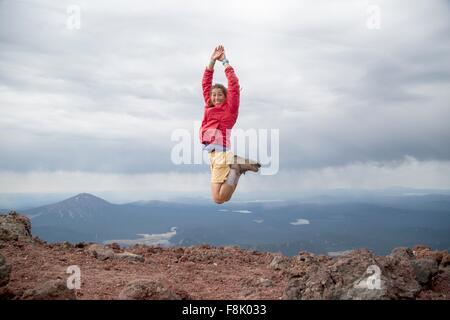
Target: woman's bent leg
x,y
222,192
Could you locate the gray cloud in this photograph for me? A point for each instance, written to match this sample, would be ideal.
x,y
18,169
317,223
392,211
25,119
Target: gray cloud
x,y
106,98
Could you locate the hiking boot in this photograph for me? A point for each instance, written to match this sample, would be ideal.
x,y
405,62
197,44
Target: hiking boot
x,y
243,168
241,160
246,164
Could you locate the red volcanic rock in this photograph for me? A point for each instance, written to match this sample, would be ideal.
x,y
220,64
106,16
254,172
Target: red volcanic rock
x,y
38,270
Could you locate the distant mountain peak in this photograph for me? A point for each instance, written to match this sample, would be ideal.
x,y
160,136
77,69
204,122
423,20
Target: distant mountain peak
x,y
83,205
86,197
85,194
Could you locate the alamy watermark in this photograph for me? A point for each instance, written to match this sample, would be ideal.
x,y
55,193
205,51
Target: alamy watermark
x,y
261,145
373,281
73,20
74,280
373,21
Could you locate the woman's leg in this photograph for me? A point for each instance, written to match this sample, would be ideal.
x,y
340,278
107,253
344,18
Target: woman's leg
x,y
224,178
222,192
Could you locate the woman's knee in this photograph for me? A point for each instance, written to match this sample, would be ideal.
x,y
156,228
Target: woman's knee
x,y
220,195
218,201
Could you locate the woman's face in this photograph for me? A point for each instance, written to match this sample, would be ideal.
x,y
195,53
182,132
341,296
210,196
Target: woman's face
x,y
217,96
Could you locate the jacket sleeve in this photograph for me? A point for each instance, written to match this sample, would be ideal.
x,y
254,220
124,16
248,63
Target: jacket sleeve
x,y
233,94
207,83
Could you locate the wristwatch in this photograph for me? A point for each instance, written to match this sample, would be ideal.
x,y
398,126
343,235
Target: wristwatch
x,y
225,61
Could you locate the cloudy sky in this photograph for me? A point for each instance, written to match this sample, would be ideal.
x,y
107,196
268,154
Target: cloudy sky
x,y
359,92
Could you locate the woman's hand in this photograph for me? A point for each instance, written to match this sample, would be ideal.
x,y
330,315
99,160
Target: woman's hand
x,y
222,56
218,53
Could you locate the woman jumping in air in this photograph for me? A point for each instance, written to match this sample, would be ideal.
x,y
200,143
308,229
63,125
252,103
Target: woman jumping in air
x,y
221,112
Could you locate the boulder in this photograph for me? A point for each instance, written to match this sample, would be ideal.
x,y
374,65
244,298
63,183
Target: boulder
x,y
50,290
359,275
441,282
148,290
425,269
265,282
129,257
5,271
100,252
279,262
15,227
445,261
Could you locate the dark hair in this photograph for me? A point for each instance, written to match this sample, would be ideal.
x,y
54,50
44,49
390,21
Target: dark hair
x,y
218,86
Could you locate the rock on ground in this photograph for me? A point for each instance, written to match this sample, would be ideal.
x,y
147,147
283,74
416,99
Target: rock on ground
x,y
50,290
149,290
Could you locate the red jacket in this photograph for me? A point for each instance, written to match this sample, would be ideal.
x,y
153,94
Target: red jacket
x,y
218,120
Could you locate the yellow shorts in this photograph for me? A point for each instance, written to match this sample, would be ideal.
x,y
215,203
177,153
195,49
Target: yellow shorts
x,y
220,165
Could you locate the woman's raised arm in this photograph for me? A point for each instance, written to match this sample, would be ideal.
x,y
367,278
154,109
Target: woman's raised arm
x,y
208,74
233,95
